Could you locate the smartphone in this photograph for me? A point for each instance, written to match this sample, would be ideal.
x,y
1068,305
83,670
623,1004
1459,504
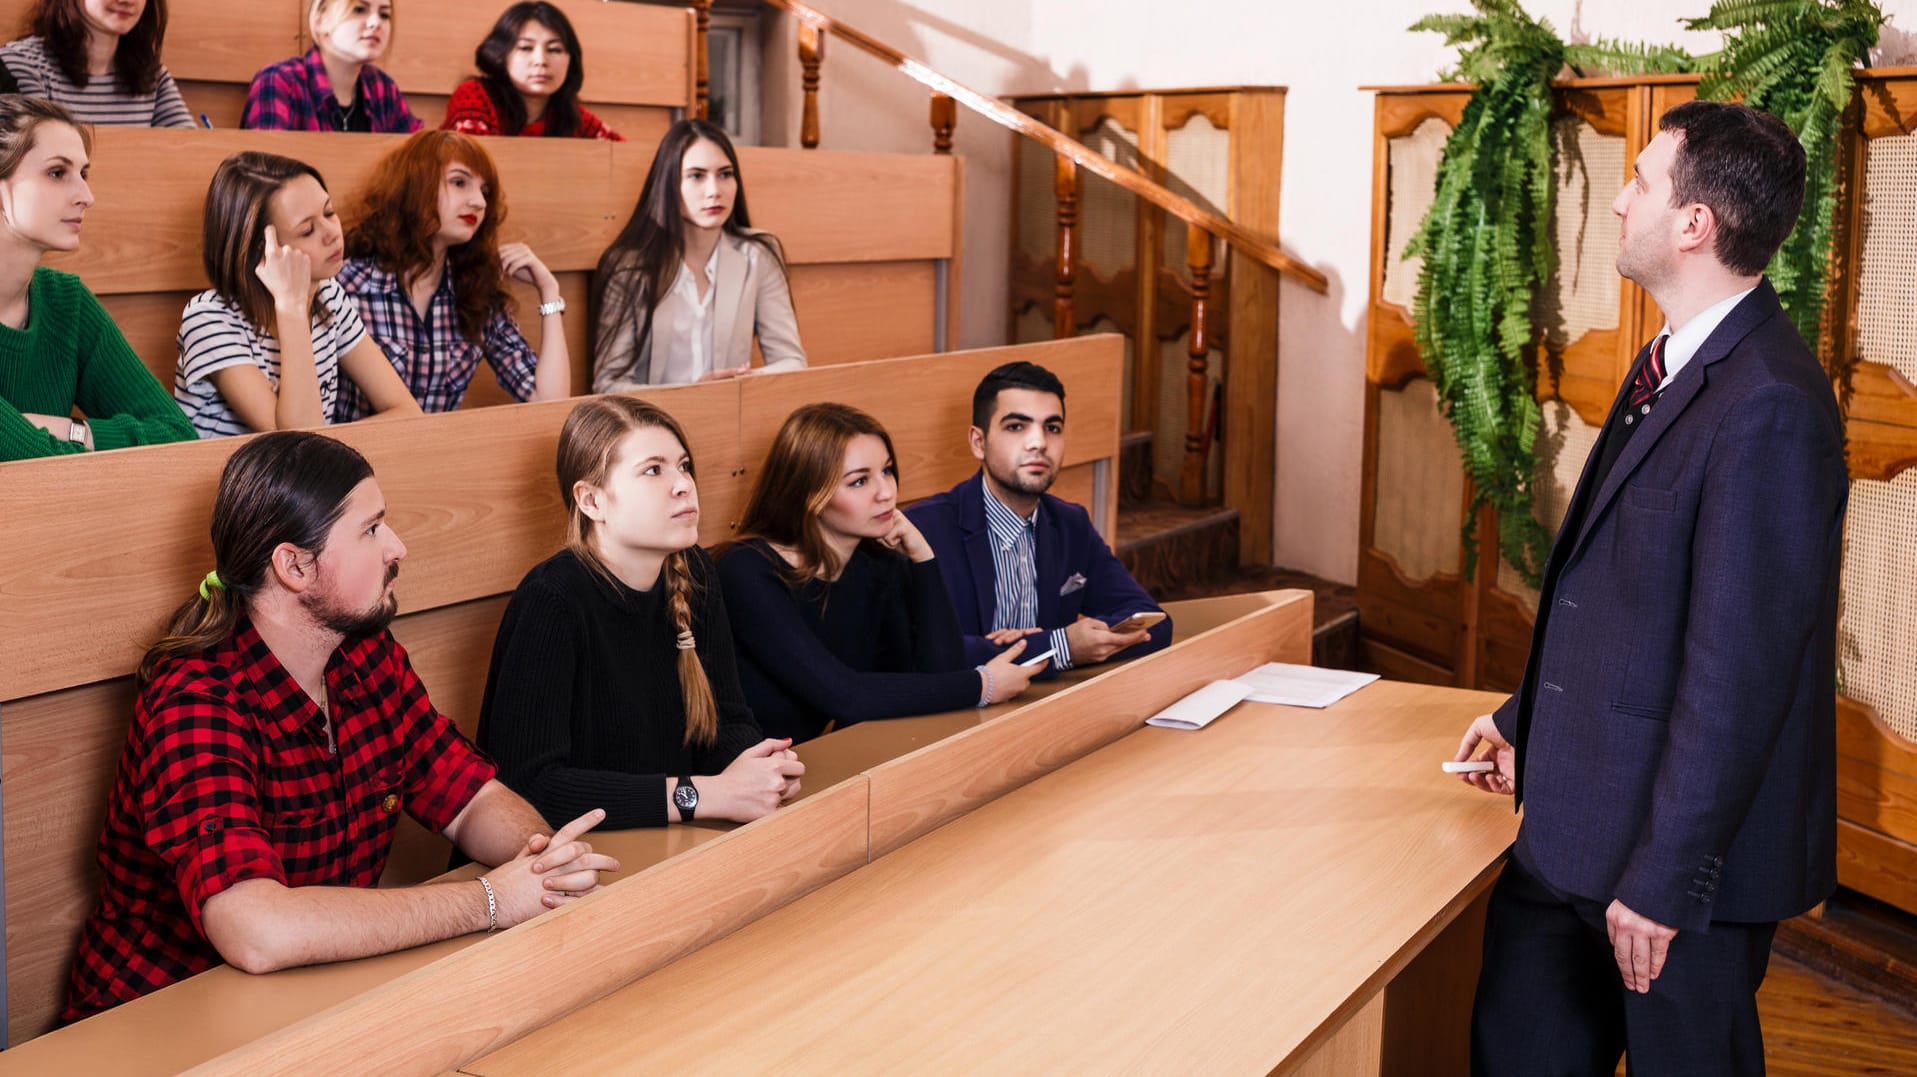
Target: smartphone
x,y
1037,658
1475,766
1138,621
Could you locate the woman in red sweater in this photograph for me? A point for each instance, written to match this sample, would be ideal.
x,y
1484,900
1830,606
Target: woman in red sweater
x,y
530,69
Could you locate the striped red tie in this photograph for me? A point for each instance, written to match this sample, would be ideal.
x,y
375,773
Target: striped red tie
x,y
1650,375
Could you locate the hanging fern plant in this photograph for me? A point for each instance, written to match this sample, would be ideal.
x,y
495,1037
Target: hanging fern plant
x,y
1486,245
1793,59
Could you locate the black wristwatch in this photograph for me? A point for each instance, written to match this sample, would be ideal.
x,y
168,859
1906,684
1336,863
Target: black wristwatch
x,y
685,797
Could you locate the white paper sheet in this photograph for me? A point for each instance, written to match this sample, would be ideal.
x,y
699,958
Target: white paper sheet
x,y
1301,686
1196,711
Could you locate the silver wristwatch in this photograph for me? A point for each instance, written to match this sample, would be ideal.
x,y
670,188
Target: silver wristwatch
x,y
77,431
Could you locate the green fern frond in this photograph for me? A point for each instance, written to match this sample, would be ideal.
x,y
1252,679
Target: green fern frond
x,y
1607,56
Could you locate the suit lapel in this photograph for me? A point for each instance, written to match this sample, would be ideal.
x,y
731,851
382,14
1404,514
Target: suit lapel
x,y
1756,308
977,538
1048,574
730,274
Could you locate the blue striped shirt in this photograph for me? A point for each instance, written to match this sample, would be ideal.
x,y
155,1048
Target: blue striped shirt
x,y
1015,575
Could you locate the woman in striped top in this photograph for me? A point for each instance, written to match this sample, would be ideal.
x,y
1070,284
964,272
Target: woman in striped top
x,y
264,348
59,352
530,71
101,59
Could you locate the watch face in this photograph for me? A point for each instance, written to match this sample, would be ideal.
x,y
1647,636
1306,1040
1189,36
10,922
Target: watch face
x,y
686,796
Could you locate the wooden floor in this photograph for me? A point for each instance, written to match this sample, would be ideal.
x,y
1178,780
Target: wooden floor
x,y
1817,1027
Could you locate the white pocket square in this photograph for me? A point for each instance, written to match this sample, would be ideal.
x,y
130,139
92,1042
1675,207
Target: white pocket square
x,y
1077,582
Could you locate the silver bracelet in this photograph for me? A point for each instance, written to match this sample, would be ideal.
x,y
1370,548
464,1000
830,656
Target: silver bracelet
x,y
985,698
492,905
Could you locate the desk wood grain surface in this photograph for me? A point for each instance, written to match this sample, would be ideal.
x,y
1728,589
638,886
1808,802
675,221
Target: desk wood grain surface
x,y
1175,902
221,1010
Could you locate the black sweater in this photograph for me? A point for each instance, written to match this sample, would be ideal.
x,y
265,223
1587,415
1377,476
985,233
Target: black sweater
x,y
881,641
583,708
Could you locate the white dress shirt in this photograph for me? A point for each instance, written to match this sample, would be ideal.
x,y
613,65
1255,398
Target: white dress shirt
x,y
1684,342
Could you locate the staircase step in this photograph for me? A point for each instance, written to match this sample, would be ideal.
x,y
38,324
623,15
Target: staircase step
x,y
1334,610
1858,941
1134,468
1167,546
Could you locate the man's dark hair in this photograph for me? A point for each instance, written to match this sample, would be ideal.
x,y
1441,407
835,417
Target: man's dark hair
x,y
283,486
1013,376
1748,167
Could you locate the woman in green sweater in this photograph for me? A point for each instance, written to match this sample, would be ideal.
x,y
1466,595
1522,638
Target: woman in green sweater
x,y
59,351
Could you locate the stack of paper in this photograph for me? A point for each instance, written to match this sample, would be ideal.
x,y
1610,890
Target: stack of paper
x,y
1196,711
1301,686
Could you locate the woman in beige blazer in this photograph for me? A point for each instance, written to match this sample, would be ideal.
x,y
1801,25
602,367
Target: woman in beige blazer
x,y
689,283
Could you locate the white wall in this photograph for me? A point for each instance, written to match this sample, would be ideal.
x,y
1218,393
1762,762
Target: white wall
x,y
1321,51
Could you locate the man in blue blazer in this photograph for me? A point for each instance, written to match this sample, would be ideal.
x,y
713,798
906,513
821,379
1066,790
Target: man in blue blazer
x,y
1018,561
1673,743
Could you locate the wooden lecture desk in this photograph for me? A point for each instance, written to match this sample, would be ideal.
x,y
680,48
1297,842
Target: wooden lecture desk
x,y
1053,890
1238,899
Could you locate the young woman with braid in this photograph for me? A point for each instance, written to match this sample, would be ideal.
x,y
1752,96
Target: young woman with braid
x,y
613,681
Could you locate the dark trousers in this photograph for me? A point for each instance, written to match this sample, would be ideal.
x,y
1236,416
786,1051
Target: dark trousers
x,y
1551,1002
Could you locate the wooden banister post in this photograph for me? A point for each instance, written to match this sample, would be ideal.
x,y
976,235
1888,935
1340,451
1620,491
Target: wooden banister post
x,y
944,119
811,55
701,73
1191,473
1065,186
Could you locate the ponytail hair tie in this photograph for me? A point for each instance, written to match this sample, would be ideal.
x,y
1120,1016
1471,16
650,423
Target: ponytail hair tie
x,y
212,580
686,642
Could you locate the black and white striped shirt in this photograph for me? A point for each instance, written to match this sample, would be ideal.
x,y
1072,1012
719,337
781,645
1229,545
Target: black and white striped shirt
x,y
101,100
1015,576
214,335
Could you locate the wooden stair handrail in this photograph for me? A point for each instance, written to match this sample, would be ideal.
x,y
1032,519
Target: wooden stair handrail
x,y
1241,239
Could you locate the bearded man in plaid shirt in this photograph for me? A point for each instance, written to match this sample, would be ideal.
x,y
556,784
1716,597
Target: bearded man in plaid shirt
x,y
278,733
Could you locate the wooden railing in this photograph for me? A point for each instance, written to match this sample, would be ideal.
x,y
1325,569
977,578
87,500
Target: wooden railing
x,y
1203,225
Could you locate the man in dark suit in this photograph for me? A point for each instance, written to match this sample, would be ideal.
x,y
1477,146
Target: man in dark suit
x,y
1673,741
1019,561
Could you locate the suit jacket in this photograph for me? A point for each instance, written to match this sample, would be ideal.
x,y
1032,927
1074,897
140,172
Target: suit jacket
x,y
1076,572
753,300
1676,727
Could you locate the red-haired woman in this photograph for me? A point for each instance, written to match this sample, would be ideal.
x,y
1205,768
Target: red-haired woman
x,y
428,271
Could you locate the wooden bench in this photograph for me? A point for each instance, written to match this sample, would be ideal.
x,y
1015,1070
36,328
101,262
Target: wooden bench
x,y
639,57
866,234
95,555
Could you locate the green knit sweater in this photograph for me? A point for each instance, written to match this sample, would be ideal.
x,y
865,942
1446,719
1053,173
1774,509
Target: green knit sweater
x,y
72,355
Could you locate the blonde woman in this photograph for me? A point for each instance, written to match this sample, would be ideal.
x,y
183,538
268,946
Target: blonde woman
x,y
334,87
613,681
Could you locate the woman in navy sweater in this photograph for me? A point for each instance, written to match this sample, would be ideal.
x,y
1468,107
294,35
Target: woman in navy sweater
x,y
841,615
612,680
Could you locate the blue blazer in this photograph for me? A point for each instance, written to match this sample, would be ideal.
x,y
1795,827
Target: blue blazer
x,y
1077,573
1676,727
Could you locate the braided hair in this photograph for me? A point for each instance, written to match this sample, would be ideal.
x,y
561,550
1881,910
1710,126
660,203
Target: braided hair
x,y
588,450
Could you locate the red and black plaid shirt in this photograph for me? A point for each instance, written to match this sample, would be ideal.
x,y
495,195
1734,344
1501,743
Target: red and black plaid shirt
x,y
226,777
